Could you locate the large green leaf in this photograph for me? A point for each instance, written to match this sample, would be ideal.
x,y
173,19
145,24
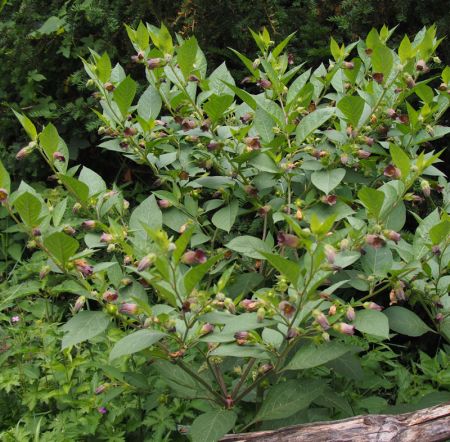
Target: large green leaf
x,y
195,274
312,122
61,246
147,214
5,180
372,322
29,208
124,95
149,104
264,123
211,426
135,342
372,199
26,123
352,107
311,355
186,54
382,60
224,218
93,180
284,400
406,322
249,246
79,189
377,261
217,105
49,140
239,351
83,326
327,180
400,159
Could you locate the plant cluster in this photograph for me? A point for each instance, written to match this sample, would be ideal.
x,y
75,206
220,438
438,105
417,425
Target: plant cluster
x,y
272,244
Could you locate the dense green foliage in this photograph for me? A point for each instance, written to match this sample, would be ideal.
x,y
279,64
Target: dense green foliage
x,y
284,260
41,42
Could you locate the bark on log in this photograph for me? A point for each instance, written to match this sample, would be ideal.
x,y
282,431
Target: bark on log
x,y
427,425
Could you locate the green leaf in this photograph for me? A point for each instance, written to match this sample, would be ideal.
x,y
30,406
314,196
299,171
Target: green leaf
x,y
195,274
243,95
405,322
237,351
221,82
104,67
352,108
29,208
284,400
83,326
400,159
312,122
372,322
49,140
264,123
5,180
211,426
372,200
440,232
405,50
289,269
296,86
61,246
93,180
147,214
186,54
224,218
382,60
78,188
335,49
327,180
124,95
26,123
311,355
217,105
377,261
135,342
149,104
249,246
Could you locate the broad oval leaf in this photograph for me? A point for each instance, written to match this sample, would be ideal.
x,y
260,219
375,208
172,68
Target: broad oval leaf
x,y
61,246
327,180
373,323
211,426
83,326
135,342
405,322
312,122
249,246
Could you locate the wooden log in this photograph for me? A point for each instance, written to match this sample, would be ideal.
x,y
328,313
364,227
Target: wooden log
x,y
426,425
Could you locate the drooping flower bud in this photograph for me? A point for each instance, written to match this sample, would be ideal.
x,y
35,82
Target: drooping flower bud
x,y
392,235
425,186
194,257
214,146
436,250
392,172
58,156
100,389
421,66
128,308
321,319
102,410
241,337
106,237
252,143
439,317
344,328
188,124
250,305
363,154
264,83
332,310
36,231
287,240
154,63
391,113
3,195
369,141
372,306
331,200
69,230
378,77
83,267
245,118
350,314
130,131
207,328
110,296
88,225
348,65
79,303
330,253
376,241
146,262
287,309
